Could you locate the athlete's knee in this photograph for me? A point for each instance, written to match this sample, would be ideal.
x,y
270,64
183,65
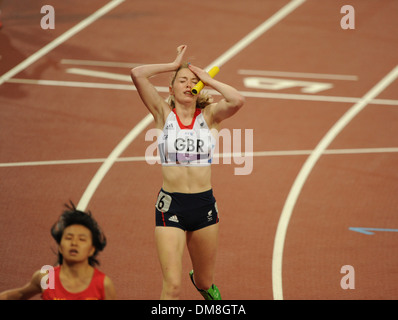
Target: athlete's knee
x,y
171,289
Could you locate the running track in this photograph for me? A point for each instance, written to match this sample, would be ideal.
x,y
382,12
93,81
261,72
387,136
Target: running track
x,y
322,103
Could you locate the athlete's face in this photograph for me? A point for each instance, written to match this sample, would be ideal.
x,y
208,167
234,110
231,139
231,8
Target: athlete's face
x,y
184,81
76,243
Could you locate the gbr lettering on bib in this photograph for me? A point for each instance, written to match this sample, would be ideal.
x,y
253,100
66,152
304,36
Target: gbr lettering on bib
x,y
189,147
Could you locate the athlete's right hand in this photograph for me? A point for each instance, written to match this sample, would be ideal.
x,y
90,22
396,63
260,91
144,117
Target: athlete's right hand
x,y
180,54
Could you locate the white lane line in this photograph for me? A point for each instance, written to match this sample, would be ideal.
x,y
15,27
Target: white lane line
x,y
99,74
248,94
248,39
50,162
301,178
360,151
278,153
77,84
298,75
96,63
147,120
61,39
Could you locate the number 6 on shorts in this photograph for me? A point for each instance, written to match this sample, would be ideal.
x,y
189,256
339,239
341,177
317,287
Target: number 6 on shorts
x,y
163,202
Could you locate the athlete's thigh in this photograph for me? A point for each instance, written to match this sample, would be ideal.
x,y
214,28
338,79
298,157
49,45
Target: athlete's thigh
x,y
202,246
170,243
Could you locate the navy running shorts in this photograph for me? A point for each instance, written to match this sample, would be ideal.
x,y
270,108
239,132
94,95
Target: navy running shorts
x,y
187,211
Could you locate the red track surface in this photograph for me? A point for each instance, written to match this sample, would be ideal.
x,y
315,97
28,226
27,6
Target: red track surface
x,y
57,122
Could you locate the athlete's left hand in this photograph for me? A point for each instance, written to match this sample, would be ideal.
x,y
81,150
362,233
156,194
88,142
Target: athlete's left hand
x,y
200,73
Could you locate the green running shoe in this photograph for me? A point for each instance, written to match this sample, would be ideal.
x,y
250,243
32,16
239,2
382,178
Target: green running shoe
x,y
211,294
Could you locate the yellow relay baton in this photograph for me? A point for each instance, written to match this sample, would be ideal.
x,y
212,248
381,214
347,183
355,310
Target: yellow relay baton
x,y
199,86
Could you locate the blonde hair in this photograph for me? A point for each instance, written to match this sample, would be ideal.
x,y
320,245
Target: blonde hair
x,y
204,99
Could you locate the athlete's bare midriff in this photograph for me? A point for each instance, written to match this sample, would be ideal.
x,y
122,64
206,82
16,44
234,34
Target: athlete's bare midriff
x,y
186,179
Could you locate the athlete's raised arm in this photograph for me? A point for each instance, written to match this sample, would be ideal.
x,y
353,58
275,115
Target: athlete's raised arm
x,y
149,95
232,100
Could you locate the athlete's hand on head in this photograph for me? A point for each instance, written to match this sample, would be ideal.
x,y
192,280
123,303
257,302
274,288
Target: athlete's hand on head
x,y
200,73
180,54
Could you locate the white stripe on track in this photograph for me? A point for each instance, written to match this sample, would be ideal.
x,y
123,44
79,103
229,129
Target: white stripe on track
x,y
96,63
305,171
279,153
249,94
299,75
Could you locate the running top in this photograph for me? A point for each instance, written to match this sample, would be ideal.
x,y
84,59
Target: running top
x,y
95,291
191,145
